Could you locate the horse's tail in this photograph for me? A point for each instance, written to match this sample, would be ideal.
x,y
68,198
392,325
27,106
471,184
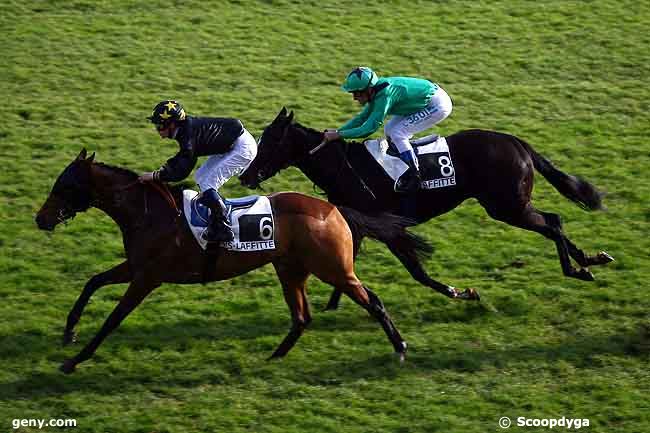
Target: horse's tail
x,y
389,229
572,187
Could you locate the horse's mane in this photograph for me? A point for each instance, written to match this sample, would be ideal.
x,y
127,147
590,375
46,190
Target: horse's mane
x,y
305,128
133,176
125,171
309,130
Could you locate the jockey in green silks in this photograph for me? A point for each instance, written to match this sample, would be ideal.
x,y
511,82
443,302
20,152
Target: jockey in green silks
x,y
414,103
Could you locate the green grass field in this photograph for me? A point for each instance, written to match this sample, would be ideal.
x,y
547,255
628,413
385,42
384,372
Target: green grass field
x,y
569,77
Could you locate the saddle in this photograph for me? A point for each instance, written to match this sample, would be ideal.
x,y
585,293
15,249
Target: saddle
x,y
422,141
432,151
251,219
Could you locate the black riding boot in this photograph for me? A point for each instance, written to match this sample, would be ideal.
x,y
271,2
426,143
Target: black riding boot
x,y
411,179
218,229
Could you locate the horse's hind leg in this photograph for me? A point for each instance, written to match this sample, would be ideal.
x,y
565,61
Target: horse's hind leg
x,y
578,255
548,225
351,286
335,299
294,280
371,303
118,274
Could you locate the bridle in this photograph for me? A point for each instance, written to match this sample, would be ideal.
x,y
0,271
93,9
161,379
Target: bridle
x,y
70,210
265,169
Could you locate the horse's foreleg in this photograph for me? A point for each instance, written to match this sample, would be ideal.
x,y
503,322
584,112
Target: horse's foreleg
x,y
139,288
116,275
294,288
415,269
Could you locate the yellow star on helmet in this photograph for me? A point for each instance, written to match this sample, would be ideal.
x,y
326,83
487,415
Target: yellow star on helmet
x,y
170,105
165,115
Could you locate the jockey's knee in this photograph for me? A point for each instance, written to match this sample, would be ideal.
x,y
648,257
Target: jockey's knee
x,y
402,144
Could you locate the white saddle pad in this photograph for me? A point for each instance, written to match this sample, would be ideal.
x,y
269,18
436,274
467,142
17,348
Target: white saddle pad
x,y
436,167
251,219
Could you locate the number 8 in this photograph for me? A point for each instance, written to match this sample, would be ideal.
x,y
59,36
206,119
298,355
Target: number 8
x,y
445,166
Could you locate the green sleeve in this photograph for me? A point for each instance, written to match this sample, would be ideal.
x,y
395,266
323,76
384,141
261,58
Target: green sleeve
x,y
357,120
375,117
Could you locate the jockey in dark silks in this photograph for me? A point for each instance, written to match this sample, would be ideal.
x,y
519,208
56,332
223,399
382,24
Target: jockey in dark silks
x,y
415,105
229,146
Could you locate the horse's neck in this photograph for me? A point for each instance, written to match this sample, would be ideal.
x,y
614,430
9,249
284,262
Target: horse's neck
x,y
116,194
304,137
336,168
327,170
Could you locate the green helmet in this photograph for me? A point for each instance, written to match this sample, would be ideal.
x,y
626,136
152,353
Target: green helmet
x,y
360,79
167,111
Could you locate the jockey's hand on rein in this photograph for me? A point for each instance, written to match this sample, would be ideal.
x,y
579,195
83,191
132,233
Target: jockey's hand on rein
x,y
331,135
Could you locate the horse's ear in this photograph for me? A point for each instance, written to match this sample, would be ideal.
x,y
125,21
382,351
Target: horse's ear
x,y
91,158
281,115
82,154
290,119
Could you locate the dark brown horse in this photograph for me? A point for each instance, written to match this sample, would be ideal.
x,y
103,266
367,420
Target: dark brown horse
x,y
312,237
495,168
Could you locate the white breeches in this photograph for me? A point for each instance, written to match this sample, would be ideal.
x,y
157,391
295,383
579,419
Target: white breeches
x,y
217,169
400,129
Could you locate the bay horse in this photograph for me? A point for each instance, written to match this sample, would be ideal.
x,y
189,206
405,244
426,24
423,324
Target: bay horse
x,y
495,168
312,237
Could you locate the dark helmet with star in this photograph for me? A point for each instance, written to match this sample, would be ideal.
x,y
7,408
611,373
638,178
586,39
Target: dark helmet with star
x,y
167,111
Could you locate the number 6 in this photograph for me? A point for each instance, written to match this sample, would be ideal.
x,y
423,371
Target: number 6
x,y
266,228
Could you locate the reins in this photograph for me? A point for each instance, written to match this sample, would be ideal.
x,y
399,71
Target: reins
x,y
344,155
343,158
344,161
163,190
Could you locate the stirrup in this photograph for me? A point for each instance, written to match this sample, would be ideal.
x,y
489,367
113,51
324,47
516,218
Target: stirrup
x,y
218,231
409,182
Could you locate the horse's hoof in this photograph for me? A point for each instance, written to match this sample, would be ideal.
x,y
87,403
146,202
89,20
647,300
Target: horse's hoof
x,y
585,275
469,295
402,352
69,337
278,354
472,295
68,366
604,258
